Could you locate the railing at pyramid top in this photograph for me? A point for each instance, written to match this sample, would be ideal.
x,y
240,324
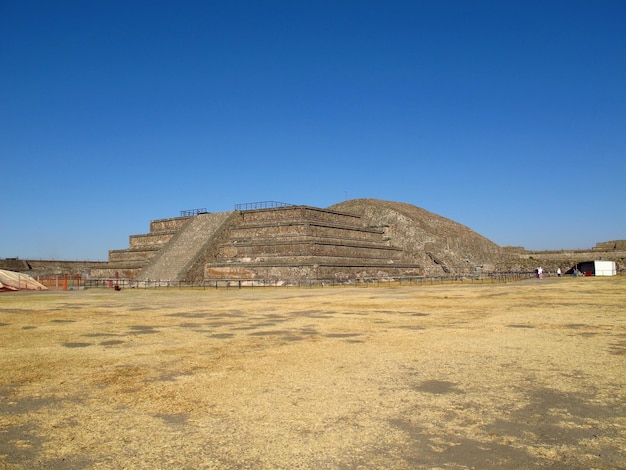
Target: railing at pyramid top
x,y
249,206
193,212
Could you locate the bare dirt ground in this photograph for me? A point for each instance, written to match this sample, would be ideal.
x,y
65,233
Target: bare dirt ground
x,y
523,375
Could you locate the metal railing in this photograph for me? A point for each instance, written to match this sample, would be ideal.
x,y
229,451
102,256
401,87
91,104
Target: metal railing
x,y
62,281
492,278
193,212
249,206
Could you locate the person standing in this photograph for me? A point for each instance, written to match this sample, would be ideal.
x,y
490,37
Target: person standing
x,y
558,272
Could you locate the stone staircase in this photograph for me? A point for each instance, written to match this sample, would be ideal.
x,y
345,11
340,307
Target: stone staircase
x,y
174,259
127,263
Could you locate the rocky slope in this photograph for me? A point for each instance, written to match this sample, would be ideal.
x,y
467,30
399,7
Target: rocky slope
x,y
441,245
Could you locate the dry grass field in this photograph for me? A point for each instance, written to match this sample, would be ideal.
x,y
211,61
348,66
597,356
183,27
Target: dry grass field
x,y
487,376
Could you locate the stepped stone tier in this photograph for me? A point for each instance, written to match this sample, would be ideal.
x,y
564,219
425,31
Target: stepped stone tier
x,y
299,242
142,248
50,268
613,245
357,239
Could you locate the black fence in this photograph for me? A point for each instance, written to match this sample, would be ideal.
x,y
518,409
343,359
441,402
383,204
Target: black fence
x,y
249,206
192,212
493,278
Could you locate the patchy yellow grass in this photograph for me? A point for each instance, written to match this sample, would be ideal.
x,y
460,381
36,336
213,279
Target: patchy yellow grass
x,y
523,375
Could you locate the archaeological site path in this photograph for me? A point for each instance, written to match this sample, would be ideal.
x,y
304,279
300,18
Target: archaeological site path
x,y
522,375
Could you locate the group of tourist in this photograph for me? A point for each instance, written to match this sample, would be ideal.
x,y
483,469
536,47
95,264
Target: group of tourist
x,y
539,272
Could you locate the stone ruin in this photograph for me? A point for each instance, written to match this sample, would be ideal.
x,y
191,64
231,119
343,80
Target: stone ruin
x,y
358,239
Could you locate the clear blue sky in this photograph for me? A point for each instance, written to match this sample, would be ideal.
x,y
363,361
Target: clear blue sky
x,y
506,116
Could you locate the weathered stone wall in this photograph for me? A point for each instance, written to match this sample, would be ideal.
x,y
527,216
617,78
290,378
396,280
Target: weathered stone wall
x,y
303,272
304,248
150,239
613,245
142,255
118,271
165,225
49,267
298,213
298,228
564,260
